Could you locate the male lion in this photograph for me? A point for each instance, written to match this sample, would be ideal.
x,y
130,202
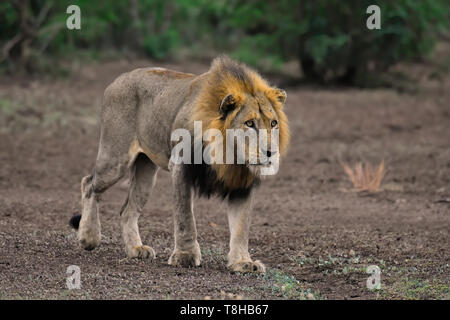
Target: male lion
x,y
140,110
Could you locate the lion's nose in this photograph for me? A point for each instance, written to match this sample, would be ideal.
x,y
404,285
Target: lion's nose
x,y
270,153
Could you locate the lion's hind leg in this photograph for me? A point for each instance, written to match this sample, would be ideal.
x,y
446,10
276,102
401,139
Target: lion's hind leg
x,y
108,170
118,131
143,178
89,233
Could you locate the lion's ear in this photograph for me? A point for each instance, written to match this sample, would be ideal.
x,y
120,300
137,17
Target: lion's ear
x,y
282,95
278,95
228,104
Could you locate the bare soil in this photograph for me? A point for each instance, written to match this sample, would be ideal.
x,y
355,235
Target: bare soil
x,y
315,235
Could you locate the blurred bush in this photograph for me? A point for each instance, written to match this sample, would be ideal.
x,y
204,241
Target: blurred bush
x,y
328,37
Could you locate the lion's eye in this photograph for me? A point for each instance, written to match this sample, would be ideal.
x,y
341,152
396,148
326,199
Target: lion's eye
x,y
274,123
249,123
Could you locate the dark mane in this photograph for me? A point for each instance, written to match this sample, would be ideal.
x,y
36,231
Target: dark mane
x,y
204,180
206,183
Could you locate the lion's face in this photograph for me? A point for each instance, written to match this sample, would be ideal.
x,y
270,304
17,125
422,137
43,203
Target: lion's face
x,y
253,121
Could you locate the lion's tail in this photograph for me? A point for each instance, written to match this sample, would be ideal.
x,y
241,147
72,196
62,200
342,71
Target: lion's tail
x,y
75,221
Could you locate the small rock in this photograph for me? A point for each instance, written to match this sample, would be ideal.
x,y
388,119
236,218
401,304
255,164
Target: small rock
x,y
393,187
440,190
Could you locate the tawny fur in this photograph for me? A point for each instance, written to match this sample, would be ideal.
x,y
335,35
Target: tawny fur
x,y
140,110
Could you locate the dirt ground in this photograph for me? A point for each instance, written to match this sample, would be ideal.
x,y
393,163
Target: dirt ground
x,y
315,235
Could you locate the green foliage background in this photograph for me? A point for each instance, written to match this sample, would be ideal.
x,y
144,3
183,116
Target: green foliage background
x,y
328,37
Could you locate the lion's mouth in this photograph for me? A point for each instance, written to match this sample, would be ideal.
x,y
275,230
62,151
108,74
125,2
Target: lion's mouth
x,y
256,168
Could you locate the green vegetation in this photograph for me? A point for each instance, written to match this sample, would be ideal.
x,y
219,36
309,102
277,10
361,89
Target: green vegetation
x,y
417,289
8,107
328,37
399,280
284,285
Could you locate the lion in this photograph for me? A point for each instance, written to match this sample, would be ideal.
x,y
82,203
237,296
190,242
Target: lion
x,y
140,110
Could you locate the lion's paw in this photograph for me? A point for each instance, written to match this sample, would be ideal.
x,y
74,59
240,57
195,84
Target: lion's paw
x,y
185,258
142,252
248,266
89,240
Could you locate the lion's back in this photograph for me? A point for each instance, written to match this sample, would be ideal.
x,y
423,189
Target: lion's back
x,y
145,104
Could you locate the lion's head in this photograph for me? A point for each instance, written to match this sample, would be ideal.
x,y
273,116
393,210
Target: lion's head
x,y
233,96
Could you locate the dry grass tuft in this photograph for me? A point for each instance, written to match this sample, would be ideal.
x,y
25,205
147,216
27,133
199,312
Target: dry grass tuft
x,y
366,177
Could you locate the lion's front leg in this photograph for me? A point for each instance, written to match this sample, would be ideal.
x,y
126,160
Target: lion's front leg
x,y
187,250
239,220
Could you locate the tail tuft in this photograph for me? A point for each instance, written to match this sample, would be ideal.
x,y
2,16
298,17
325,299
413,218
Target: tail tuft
x,y
75,221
